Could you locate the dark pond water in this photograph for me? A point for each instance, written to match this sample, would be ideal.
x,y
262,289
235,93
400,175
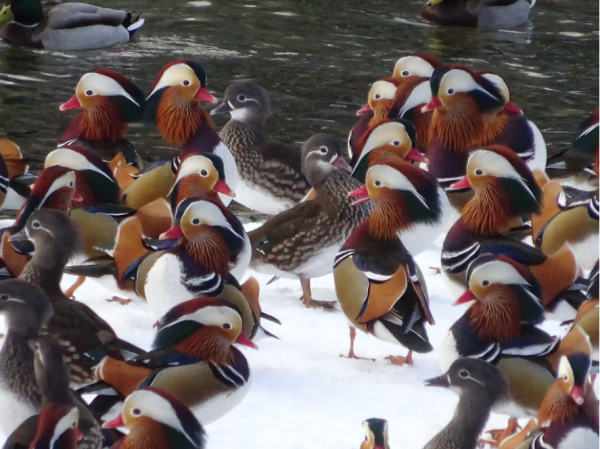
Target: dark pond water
x,y
317,58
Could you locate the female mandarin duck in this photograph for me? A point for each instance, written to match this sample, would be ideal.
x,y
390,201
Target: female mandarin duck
x,y
506,194
376,434
484,14
109,102
174,106
377,282
271,178
480,387
193,358
568,415
66,26
301,243
469,111
156,419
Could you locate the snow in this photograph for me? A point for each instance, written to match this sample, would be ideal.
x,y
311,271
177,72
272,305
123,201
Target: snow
x,y
303,394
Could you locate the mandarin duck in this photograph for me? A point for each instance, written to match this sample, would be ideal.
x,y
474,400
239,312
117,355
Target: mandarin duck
x,y
378,284
568,415
13,167
26,308
469,110
376,434
156,419
109,102
301,243
505,195
193,358
75,325
66,26
174,107
485,14
480,387
271,178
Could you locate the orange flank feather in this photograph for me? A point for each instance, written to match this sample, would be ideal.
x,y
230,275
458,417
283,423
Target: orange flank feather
x,y
128,245
383,296
576,341
122,171
122,376
557,272
549,207
155,218
14,261
251,291
178,118
11,153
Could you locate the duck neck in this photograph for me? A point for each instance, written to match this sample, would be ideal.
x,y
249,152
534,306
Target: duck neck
x,y
496,316
16,365
178,118
239,136
45,270
558,409
101,122
148,434
27,12
488,213
206,345
458,129
210,250
386,219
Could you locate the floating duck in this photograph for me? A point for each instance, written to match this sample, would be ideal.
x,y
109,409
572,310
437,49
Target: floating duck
x,y
66,26
376,434
271,178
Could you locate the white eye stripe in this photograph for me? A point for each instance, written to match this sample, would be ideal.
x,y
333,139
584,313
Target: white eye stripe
x,y
103,85
497,272
66,180
210,214
68,158
420,95
174,75
64,424
461,81
385,89
415,65
392,178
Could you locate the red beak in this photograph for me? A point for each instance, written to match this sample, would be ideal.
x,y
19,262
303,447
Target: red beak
x,y
114,423
414,155
72,103
79,435
222,187
461,183
243,340
204,95
77,196
467,296
577,394
173,233
366,108
510,106
434,103
361,192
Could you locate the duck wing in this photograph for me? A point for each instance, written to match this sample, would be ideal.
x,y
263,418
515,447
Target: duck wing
x,y
75,15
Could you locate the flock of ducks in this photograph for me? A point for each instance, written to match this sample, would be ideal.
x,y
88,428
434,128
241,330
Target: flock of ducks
x,y
439,149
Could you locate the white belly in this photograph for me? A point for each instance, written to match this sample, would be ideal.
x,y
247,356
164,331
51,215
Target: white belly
x,y
232,177
219,406
239,269
539,159
163,287
13,411
255,198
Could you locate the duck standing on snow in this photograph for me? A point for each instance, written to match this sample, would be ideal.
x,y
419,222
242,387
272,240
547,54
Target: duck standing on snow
x,y
376,434
378,284
271,178
66,26
301,242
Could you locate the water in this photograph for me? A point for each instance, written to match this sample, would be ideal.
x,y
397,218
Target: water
x,y
316,58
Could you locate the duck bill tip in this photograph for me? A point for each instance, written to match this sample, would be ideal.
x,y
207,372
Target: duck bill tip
x,y
466,297
71,103
222,187
245,341
462,183
415,156
204,95
114,423
434,103
511,107
577,394
440,381
366,108
172,233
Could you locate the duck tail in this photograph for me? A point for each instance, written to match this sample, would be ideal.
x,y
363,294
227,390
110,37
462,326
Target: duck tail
x,y
132,25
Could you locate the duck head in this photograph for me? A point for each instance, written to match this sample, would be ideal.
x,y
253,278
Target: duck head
x,y
380,99
388,139
508,105
403,195
198,174
173,103
95,181
57,427
25,307
25,12
246,103
506,295
504,189
109,101
202,327
146,407
376,434
420,65
322,156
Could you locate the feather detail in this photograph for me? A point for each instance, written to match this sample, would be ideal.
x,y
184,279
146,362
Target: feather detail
x,y
209,249
497,316
101,121
177,118
489,212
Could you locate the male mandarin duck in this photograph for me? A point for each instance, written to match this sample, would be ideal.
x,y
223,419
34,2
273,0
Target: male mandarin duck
x,y
271,178
505,194
301,243
378,284
74,324
65,26
480,387
376,434
485,14
502,320
568,415
109,102
470,110
13,192
174,107
156,419
26,309
193,358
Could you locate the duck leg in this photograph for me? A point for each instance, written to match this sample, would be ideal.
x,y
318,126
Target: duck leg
x,y
312,303
351,354
399,360
502,434
70,292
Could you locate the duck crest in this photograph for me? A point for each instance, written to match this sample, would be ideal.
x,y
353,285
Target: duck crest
x,y
497,316
178,118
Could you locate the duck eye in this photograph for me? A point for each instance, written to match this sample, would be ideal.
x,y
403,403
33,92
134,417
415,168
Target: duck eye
x,y
241,97
204,172
136,412
479,172
71,184
463,373
226,326
396,142
4,298
377,96
485,283
186,82
377,183
74,424
450,91
36,224
196,221
323,150
89,92
405,73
